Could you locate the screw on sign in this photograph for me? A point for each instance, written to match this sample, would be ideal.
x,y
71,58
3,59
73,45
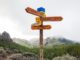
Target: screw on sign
x,y
39,24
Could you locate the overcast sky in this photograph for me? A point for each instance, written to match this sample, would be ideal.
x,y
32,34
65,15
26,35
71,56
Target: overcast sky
x,y
15,20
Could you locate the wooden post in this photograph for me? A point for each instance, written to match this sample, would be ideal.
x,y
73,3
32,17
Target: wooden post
x,y
41,43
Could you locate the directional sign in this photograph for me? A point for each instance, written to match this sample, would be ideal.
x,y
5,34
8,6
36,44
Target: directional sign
x,y
55,18
34,12
34,27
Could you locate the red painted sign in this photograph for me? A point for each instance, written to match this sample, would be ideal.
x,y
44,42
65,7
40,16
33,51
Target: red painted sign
x,y
35,27
34,12
55,18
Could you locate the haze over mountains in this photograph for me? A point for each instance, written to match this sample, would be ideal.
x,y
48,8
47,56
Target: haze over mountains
x,y
49,41
53,46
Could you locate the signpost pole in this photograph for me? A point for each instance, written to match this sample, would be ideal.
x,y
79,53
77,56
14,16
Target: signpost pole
x,y
41,43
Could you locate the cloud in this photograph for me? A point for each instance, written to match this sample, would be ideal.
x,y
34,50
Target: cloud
x,y
13,14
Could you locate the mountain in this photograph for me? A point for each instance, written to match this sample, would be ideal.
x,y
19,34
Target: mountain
x,y
22,42
9,50
5,36
50,41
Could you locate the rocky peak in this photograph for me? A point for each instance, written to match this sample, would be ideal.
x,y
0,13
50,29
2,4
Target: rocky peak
x,y
5,36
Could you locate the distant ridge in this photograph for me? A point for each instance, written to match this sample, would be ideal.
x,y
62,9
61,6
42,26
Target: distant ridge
x,y
50,41
22,42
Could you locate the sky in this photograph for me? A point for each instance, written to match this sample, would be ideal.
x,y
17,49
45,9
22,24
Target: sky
x,y
15,20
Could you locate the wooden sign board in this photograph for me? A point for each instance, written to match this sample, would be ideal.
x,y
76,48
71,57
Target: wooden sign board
x,y
55,18
34,12
34,27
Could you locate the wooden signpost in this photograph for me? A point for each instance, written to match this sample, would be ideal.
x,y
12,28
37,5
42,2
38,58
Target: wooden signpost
x,y
39,24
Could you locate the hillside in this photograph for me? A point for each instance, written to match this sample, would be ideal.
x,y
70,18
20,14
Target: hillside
x,y
61,48
10,50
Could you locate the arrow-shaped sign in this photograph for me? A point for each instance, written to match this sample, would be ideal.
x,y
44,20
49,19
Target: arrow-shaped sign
x,y
55,18
34,12
38,27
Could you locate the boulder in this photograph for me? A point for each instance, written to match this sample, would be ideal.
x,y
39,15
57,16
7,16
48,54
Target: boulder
x,y
30,56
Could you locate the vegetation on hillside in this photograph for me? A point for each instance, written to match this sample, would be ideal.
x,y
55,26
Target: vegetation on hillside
x,y
49,52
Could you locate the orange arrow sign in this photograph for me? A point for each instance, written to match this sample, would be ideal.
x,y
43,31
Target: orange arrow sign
x,y
55,18
34,12
34,27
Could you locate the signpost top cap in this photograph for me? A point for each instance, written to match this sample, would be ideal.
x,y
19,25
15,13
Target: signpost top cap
x,y
41,9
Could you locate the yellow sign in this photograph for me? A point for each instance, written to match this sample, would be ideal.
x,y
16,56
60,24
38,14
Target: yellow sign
x,y
38,20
